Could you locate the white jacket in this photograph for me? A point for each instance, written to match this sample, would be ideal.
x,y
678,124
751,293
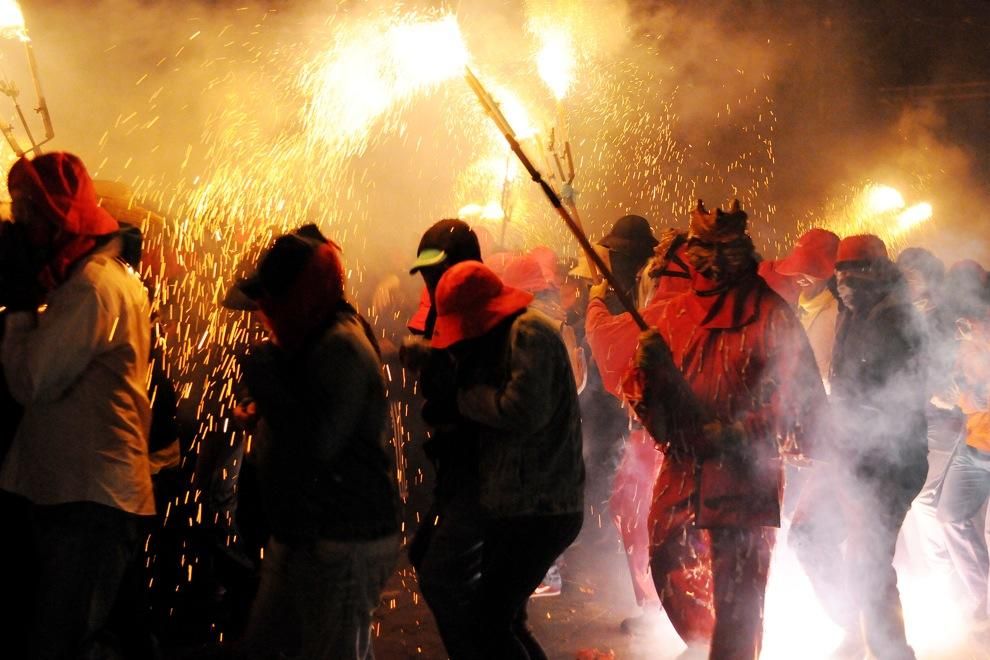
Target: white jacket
x,y
81,371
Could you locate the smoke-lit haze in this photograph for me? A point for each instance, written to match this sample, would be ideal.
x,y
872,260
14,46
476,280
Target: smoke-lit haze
x,y
238,119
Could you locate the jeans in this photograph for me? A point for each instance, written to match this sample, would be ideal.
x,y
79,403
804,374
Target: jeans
x,y
447,555
944,433
864,505
517,553
83,550
966,489
316,599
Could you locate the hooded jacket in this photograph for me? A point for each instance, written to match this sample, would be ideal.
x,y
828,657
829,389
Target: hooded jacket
x,y
878,388
521,393
323,461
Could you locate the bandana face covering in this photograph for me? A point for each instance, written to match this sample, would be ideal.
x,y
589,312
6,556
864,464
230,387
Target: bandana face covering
x,y
859,286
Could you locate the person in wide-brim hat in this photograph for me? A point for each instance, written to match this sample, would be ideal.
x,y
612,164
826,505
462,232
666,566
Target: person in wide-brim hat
x,y
514,384
471,300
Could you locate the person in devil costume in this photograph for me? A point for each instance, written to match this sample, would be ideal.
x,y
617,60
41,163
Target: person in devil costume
x,y
726,382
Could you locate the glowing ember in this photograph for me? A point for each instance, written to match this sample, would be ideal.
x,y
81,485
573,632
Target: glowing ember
x,y
11,20
881,199
913,216
555,61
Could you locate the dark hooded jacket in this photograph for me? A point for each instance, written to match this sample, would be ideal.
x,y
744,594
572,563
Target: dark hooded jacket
x,y
519,390
324,464
879,389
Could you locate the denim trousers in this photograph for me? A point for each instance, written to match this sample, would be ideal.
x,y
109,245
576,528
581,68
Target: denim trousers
x,y
316,599
965,490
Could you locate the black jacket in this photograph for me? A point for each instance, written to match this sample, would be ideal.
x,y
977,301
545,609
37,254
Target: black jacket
x,y
879,389
324,463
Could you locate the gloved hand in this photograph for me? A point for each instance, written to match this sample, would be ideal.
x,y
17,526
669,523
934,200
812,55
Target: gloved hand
x,y
653,352
414,353
568,194
599,290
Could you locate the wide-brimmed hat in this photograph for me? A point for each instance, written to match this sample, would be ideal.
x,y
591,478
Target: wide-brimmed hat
x,y
583,270
813,254
280,266
861,248
471,300
448,241
524,272
631,235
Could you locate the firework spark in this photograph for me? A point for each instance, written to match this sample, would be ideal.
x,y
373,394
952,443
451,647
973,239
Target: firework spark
x,y
555,60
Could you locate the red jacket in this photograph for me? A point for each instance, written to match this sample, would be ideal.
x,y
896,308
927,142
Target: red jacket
x,y
748,362
613,338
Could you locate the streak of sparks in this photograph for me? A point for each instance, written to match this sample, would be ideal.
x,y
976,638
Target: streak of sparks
x,y
555,60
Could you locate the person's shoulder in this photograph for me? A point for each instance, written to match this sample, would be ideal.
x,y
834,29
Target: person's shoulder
x,y
345,336
535,322
101,279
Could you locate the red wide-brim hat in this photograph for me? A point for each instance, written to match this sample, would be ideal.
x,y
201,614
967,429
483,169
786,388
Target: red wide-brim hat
x,y
471,300
813,254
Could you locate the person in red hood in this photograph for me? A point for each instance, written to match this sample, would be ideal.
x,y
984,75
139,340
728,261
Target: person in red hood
x,y
747,394
80,369
613,340
326,476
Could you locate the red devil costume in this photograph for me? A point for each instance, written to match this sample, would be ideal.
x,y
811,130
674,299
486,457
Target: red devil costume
x,y
737,390
613,342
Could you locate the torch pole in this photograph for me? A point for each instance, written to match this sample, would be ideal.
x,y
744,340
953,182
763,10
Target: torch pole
x,y
42,108
492,110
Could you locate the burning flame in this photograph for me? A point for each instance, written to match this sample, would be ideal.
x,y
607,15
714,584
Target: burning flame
x,y
12,21
880,210
555,60
913,216
881,199
376,67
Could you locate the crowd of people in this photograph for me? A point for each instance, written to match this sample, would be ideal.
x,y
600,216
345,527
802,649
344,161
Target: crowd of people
x,y
830,391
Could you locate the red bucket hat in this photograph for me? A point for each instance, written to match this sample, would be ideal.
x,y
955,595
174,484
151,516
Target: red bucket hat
x,y
471,300
813,254
864,247
60,186
524,272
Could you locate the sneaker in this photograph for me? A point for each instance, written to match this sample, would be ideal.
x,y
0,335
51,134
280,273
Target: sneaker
x,y
551,584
